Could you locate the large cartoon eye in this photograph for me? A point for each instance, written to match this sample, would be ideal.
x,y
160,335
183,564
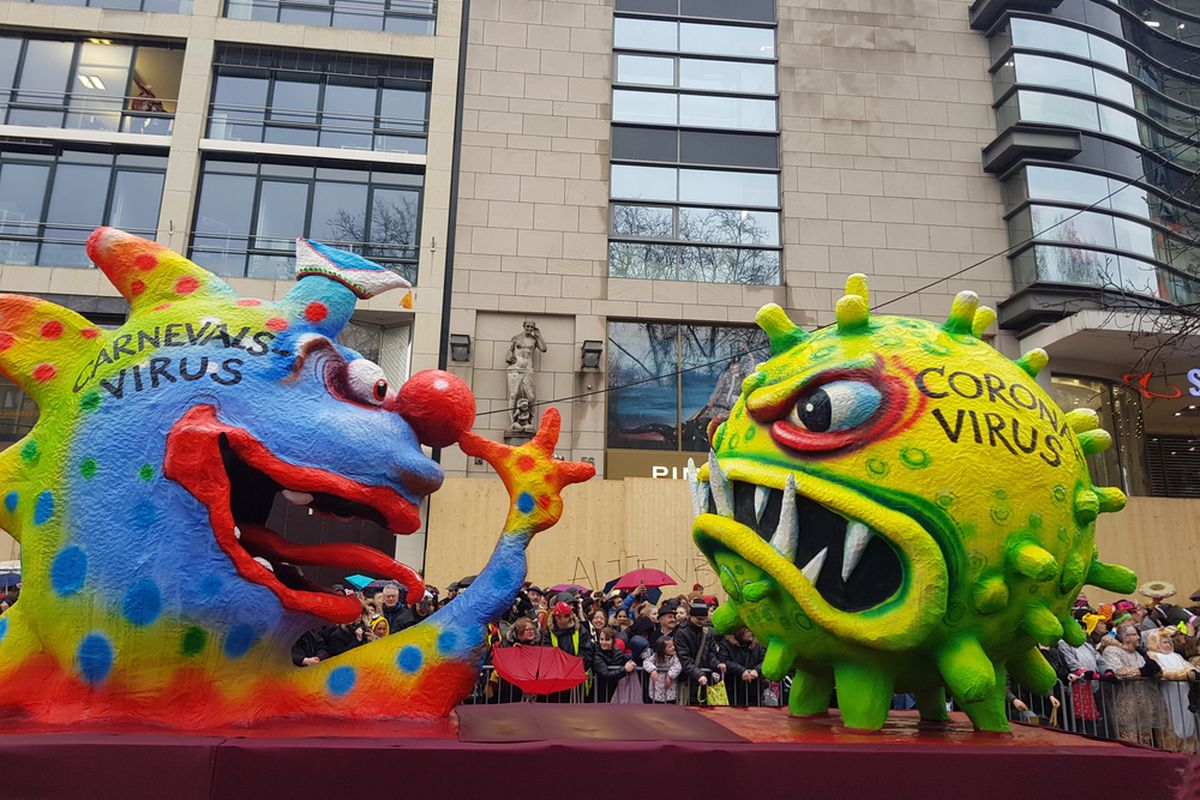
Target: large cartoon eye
x,y
836,406
365,382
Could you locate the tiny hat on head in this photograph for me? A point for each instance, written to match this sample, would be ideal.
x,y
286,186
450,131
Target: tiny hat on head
x,y
1090,621
698,608
534,589
563,609
1123,606
1157,590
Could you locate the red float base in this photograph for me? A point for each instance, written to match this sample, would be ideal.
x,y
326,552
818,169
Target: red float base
x,y
509,750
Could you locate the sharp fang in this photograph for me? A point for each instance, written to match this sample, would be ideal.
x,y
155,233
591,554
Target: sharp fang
x,y
761,495
264,562
787,532
857,538
299,498
813,568
722,492
237,533
697,490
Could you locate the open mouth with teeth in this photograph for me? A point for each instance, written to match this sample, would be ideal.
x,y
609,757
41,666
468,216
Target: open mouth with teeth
x,y
237,478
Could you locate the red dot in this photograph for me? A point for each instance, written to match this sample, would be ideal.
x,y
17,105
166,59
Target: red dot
x,y
146,262
6,340
186,285
545,500
249,301
44,372
525,463
277,324
136,288
52,329
89,333
315,312
162,306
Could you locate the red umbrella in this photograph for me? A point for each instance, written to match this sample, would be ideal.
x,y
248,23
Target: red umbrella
x,y
538,670
649,577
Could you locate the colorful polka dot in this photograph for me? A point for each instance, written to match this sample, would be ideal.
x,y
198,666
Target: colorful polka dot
x,y
136,288
525,502
44,372
146,472
447,641
249,301
89,333
68,570
6,340
193,642
277,324
10,501
87,468
43,508
52,329
239,640
95,658
316,311
162,306
143,602
341,680
146,261
90,400
30,451
525,462
410,658
186,285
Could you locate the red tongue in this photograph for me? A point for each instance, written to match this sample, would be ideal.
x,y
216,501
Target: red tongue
x,y
356,557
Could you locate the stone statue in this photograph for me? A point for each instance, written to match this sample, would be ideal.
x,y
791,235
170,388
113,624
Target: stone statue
x,y
521,395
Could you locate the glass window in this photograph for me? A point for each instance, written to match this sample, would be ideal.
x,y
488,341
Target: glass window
x,y
282,209
1046,71
10,55
1047,183
348,116
1048,36
293,112
1069,225
645,413
135,202
643,260
734,188
714,362
76,204
1058,109
393,229
22,193
739,113
43,81
339,214
644,221
1130,198
726,76
224,210
1073,393
644,183
729,226
645,70
657,108
98,93
1106,52
727,40
238,108
305,12
645,34
1119,124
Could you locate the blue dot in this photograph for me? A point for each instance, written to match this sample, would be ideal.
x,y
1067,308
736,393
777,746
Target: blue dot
x,y
3,628
239,640
68,571
10,501
525,502
143,602
95,658
447,640
43,509
341,680
410,658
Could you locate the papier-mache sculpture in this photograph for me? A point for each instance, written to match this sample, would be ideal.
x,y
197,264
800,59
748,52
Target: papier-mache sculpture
x,y
892,505
152,589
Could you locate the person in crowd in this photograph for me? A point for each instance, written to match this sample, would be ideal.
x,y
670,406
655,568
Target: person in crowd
x,y
622,622
696,649
374,624
609,664
1176,671
411,615
310,648
668,621
742,656
567,634
642,630
537,598
1084,674
525,631
393,607
662,671
1139,706
599,622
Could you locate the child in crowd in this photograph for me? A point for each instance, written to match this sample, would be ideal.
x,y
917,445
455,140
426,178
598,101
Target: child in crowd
x,y
662,668
609,665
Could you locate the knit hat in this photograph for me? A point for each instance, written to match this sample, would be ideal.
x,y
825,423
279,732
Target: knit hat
x,y
698,608
1090,621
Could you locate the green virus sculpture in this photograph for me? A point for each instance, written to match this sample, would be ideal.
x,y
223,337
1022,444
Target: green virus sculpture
x,y
892,505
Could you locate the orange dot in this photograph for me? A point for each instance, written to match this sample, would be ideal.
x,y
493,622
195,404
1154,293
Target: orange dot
x,y
249,301
315,311
44,372
52,329
525,463
162,306
6,340
186,285
136,288
89,333
146,262
277,324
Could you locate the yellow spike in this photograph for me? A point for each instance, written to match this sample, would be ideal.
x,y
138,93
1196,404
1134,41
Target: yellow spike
x,y
1111,498
852,313
984,317
1112,577
1033,362
1040,623
1097,441
962,313
1082,419
1073,572
1072,632
1033,562
1087,506
990,594
857,284
1031,670
779,328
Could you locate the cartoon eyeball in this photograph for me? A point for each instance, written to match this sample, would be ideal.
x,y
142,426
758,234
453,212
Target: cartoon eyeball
x,y
366,383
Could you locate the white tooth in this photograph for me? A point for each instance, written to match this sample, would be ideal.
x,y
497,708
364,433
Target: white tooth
x,y
237,533
761,495
264,562
813,568
722,492
787,532
299,498
857,538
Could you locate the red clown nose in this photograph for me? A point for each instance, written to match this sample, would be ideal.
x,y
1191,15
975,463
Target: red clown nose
x,y
439,407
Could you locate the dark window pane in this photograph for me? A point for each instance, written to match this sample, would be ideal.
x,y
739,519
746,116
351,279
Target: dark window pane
x,y
22,192
715,361
223,213
339,214
403,109
643,260
649,6
135,202
403,23
358,14
645,144
76,208
282,209
305,13
643,221
348,116
645,415
10,53
736,150
754,10
295,100
394,219
730,265
238,104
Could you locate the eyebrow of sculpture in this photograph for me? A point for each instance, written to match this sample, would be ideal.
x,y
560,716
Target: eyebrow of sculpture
x,y
308,346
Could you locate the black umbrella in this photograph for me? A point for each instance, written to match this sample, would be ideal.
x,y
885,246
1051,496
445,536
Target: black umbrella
x,y
462,583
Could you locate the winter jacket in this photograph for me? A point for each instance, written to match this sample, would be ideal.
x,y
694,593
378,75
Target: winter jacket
x,y
565,641
608,667
659,691
341,638
310,645
692,661
738,658
395,617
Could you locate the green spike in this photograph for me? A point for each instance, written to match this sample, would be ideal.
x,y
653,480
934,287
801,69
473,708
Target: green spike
x,y
778,660
966,669
988,713
1072,632
1040,623
759,590
1033,562
984,317
1072,574
1112,577
1111,498
990,594
1097,441
856,284
864,695
783,333
1033,362
1082,419
1031,670
726,619
1087,506
962,313
810,694
852,313
932,704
